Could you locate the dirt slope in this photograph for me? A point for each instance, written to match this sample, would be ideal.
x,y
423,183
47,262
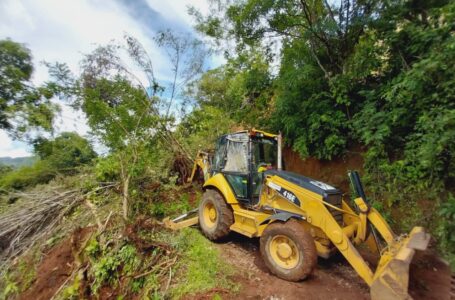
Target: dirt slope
x,y
56,267
332,171
333,278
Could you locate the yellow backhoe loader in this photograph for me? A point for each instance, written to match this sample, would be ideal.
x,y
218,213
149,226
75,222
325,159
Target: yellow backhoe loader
x,y
296,218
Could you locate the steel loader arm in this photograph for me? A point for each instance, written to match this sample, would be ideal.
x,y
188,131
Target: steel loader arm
x,y
391,278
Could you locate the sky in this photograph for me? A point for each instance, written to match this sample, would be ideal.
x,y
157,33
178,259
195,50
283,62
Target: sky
x,y
63,30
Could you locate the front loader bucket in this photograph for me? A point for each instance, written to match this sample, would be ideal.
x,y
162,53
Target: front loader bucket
x,y
174,225
392,275
181,221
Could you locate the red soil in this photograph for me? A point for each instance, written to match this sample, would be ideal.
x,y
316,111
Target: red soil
x,y
333,172
332,279
56,266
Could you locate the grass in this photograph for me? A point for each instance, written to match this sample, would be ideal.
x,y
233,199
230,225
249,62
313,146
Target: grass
x,y
201,266
27,176
21,276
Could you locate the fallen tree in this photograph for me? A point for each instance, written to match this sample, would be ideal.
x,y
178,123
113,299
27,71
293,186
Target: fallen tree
x,y
38,215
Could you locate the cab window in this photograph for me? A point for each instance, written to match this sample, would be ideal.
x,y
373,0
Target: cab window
x,y
264,152
264,157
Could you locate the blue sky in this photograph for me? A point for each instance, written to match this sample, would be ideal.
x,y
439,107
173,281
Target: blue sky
x,y
62,30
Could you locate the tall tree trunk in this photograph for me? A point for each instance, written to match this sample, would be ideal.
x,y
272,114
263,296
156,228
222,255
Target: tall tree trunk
x,y
126,183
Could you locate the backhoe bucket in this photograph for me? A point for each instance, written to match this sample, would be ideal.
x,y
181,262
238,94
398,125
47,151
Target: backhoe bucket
x,y
392,275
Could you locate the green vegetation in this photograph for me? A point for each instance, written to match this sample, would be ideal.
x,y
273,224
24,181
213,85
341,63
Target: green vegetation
x,y
60,156
16,162
141,166
21,277
371,73
105,267
132,121
140,263
40,172
201,267
22,106
65,152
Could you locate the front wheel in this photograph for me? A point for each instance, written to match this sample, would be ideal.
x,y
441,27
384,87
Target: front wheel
x,y
288,250
215,215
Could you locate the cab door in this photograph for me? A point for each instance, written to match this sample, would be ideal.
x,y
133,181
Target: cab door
x,y
263,157
232,160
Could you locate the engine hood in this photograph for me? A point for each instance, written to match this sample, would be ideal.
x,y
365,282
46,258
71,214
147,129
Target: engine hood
x,y
310,184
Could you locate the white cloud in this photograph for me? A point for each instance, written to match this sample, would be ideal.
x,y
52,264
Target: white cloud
x,y
70,119
179,9
11,148
58,30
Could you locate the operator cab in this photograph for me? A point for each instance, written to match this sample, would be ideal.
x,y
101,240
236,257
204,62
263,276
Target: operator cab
x,y
242,158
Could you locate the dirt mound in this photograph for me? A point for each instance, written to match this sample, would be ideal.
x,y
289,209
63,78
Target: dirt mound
x,y
429,277
56,266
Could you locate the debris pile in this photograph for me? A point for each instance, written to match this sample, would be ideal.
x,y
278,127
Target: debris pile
x,y
37,215
33,219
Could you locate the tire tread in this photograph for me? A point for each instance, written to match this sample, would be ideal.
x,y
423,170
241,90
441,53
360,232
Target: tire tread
x,y
293,229
226,219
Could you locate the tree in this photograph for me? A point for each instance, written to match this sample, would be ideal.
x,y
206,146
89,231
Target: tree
x,y
187,57
123,112
203,126
241,89
66,152
125,120
22,106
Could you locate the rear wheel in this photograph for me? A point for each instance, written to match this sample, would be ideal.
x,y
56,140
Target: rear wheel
x,y
288,250
215,216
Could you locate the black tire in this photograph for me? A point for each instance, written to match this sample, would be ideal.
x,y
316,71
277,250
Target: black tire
x,y
224,216
294,231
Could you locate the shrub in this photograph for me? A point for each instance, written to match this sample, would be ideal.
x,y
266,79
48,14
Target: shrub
x,y
40,172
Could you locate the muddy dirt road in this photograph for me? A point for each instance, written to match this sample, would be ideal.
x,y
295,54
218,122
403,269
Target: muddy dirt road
x,y
332,279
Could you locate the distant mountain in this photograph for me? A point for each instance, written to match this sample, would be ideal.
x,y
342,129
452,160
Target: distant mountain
x,y
17,162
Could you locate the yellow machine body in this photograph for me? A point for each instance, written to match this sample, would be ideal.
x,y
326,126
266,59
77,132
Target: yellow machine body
x,y
333,224
389,281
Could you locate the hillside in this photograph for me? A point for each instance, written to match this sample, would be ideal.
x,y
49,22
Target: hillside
x,y
17,162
